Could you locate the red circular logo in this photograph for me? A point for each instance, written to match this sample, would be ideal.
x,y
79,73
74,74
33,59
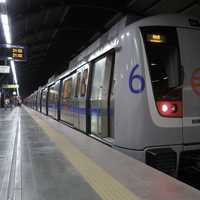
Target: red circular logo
x,y
195,81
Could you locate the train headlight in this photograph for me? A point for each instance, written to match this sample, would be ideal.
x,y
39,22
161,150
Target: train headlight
x,y
165,108
169,108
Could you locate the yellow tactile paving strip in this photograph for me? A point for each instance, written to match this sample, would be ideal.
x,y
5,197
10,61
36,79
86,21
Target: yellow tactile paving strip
x,y
107,187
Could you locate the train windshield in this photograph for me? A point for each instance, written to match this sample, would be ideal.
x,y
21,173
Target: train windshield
x,y
162,51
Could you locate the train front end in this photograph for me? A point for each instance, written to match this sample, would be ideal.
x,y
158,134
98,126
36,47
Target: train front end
x,y
173,60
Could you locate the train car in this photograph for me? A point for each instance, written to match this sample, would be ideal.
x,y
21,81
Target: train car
x,y
53,100
35,100
38,100
137,89
44,109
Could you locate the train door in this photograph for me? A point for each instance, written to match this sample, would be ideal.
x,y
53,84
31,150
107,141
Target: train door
x,y
189,40
83,98
50,104
57,100
66,112
35,101
47,100
99,99
44,101
39,101
77,78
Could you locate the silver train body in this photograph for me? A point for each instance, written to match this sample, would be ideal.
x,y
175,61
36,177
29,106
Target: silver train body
x,y
136,88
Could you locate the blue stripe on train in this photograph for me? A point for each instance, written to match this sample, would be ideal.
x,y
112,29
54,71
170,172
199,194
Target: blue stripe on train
x,y
83,111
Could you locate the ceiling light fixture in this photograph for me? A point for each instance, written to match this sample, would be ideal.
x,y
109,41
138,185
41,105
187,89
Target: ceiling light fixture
x,y
6,28
2,1
14,74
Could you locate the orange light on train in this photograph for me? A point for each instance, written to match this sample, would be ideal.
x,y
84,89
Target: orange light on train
x,y
156,38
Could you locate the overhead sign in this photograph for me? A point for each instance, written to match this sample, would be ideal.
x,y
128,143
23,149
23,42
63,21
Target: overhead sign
x,y
4,69
10,86
16,53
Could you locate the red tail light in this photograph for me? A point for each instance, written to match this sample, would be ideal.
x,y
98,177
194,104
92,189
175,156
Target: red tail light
x,y
170,108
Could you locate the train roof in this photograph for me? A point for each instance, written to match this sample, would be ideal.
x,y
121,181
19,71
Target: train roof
x,y
171,20
105,38
176,20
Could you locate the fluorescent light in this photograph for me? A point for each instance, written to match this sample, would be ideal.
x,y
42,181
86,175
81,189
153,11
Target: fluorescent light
x,y
2,1
4,19
6,28
17,91
13,71
14,74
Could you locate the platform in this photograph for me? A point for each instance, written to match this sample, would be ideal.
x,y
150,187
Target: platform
x,y
42,159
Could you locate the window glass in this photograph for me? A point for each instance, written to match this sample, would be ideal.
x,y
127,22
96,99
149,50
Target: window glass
x,y
98,78
44,93
67,89
56,91
78,79
44,96
164,62
38,98
84,82
51,94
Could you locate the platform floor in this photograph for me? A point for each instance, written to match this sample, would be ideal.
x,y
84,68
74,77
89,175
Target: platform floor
x,y
42,159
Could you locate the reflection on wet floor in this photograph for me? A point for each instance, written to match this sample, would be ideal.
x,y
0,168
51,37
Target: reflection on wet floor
x,y
9,128
32,166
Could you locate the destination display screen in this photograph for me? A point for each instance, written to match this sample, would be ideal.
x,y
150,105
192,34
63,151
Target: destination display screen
x,y
156,38
17,53
12,52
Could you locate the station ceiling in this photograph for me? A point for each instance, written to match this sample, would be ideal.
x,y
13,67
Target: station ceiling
x,y
54,31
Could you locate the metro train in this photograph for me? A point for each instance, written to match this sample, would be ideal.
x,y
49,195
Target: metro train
x,y
137,89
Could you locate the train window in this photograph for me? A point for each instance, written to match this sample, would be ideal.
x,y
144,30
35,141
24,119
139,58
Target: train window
x,y
51,94
84,82
67,89
164,61
98,78
44,98
44,93
78,79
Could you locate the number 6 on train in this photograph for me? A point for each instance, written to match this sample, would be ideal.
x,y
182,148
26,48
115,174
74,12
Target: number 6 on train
x,y
133,77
